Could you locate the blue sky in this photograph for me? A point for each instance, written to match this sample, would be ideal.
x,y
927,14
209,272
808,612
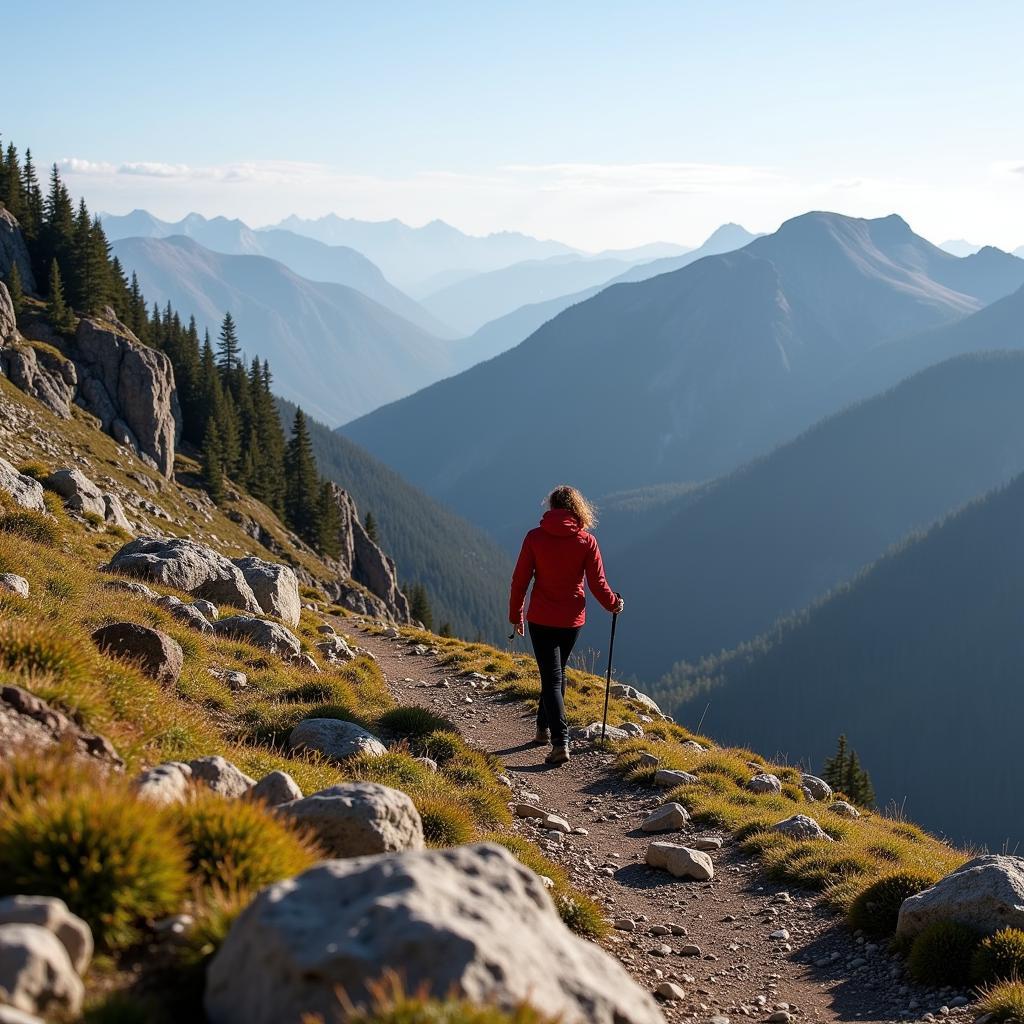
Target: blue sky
x,y
604,124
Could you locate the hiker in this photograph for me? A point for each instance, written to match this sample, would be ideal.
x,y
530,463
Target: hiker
x,y
557,555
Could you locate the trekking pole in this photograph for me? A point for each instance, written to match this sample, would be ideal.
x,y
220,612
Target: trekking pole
x,y
608,680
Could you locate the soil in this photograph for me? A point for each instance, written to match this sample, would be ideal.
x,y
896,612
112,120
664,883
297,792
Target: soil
x,y
761,949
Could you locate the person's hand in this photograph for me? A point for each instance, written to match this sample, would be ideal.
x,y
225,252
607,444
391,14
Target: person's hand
x,y
619,605
519,627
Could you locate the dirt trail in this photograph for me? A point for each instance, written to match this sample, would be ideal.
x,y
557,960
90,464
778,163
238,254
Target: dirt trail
x,y
811,969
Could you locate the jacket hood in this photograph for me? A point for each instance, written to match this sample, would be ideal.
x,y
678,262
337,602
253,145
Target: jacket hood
x,y
560,523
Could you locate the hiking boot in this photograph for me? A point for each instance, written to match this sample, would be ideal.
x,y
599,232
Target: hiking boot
x,y
543,737
558,754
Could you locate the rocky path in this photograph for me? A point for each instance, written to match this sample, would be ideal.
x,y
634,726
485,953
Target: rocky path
x,y
737,946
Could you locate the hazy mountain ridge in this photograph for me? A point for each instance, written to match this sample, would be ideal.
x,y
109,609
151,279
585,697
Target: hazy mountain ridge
x,y
335,351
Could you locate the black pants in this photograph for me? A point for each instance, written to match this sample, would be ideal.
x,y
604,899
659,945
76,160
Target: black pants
x,y
552,646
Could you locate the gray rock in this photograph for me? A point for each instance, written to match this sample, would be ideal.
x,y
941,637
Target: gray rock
x,y
334,738
986,894
276,588
207,608
844,809
25,491
236,681
649,760
667,818
624,692
113,513
764,782
157,655
52,914
12,1015
186,613
132,587
276,788
42,373
185,565
800,826
680,861
526,810
670,991
632,729
164,784
706,843
354,819
334,649
221,776
14,584
556,823
592,733
14,252
36,973
80,494
669,777
271,636
470,921
818,789
129,387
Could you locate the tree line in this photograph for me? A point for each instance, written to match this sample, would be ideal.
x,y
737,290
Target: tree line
x,y
228,410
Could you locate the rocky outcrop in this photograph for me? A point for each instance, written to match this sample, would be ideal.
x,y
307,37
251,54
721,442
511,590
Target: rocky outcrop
x,y
129,388
185,565
986,894
157,655
80,494
13,251
25,491
275,586
362,560
27,722
470,921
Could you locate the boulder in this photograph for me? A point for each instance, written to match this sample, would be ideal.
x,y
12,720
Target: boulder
x,y
986,894
221,776
669,777
276,788
52,914
334,738
800,826
27,722
592,733
236,681
680,861
632,729
470,921
129,387
335,649
624,692
80,494
667,818
207,608
14,584
188,566
765,782
815,788
36,973
276,588
844,809
25,491
354,819
187,613
40,372
158,655
113,513
14,252
164,784
271,636
132,587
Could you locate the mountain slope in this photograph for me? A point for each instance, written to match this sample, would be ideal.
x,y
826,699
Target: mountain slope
x,y
305,256
470,303
681,377
918,661
465,573
776,535
336,352
409,255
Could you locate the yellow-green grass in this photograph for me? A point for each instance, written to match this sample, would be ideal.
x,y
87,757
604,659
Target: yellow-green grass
x,y
999,957
1005,1001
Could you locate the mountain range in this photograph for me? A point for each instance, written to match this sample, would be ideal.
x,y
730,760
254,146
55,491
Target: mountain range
x,y
334,350
681,377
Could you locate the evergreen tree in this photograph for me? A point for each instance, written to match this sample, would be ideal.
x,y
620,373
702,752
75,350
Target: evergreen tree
x,y
58,232
10,173
370,525
329,539
213,463
445,630
32,220
302,484
844,773
419,605
15,289
60,316
228,348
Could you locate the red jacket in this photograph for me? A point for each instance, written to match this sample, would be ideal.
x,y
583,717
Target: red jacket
x,y
556,556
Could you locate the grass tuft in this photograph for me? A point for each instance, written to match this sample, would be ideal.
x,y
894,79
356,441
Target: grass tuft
x,y
415,722
942,953
876,909
1000,957
37,527
1004,1001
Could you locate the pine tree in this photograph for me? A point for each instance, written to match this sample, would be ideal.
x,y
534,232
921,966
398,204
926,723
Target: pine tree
x,y
302,484
32,221
15,288
213,463
370,525
419,605
228,348
57,309
329,540
445,630
844,773
835,767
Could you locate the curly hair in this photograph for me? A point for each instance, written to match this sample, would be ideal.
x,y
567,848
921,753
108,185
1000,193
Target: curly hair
x,y
570,500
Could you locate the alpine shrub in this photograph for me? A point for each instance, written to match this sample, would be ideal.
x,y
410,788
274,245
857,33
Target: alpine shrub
x,y
942,953
1000,957
877,908
1004,1001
